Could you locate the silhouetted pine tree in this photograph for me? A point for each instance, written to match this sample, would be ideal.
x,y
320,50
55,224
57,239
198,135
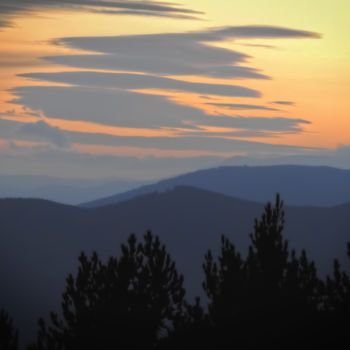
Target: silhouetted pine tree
x,y
129,302
8,333
191,329
271,297
336,322
338,289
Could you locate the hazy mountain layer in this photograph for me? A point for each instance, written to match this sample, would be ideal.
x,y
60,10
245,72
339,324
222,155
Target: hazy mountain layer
x,y
298,185
63,190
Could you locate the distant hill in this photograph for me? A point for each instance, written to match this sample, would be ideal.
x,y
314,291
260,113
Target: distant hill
x,y
338,158
63,190
298,185
41,240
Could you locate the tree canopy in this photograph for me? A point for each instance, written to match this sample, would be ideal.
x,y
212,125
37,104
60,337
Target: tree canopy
x,y
267,297
130,301
8,332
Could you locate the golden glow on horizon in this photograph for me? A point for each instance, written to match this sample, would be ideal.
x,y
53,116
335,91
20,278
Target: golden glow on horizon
x,y
146,152
122,151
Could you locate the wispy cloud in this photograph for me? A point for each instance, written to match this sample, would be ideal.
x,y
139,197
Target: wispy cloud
x,y
146,13
251,31
192,62
262,124
241,106
106,97
174,53
115,107
12,8
128,81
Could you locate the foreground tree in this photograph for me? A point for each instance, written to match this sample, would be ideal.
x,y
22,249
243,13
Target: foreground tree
x,y
127,302
267,298
336,312
8,333
338,289
270,297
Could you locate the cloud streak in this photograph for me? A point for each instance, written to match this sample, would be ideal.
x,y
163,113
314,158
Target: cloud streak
x,y
11,8
177,64
128,81
174,53
283,103
115,107
241,106
110,98
251,31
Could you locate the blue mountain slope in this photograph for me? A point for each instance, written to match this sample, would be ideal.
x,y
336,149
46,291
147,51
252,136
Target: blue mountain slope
x,y
298,185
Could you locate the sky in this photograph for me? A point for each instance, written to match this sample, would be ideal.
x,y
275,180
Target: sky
x,y
146,89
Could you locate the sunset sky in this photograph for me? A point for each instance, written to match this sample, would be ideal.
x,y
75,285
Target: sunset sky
x,y
145,89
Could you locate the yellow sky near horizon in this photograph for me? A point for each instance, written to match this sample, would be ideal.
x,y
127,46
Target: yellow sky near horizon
x,y
313,73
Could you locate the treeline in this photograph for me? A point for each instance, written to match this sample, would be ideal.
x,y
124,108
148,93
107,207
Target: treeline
x,y
271,297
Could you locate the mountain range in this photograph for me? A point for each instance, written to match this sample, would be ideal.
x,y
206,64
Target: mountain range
x,y
298,185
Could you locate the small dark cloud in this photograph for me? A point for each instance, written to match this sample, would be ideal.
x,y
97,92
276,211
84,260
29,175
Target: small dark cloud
x,y
283,103
238,106
262,31
259,45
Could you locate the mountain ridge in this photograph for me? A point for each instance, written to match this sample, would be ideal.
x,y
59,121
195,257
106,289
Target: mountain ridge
x,y
299,185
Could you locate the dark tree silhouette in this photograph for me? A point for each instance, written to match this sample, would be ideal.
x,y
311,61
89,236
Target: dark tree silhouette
x,y
271,296
191,329
127,302
338,289
337,306
8,333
